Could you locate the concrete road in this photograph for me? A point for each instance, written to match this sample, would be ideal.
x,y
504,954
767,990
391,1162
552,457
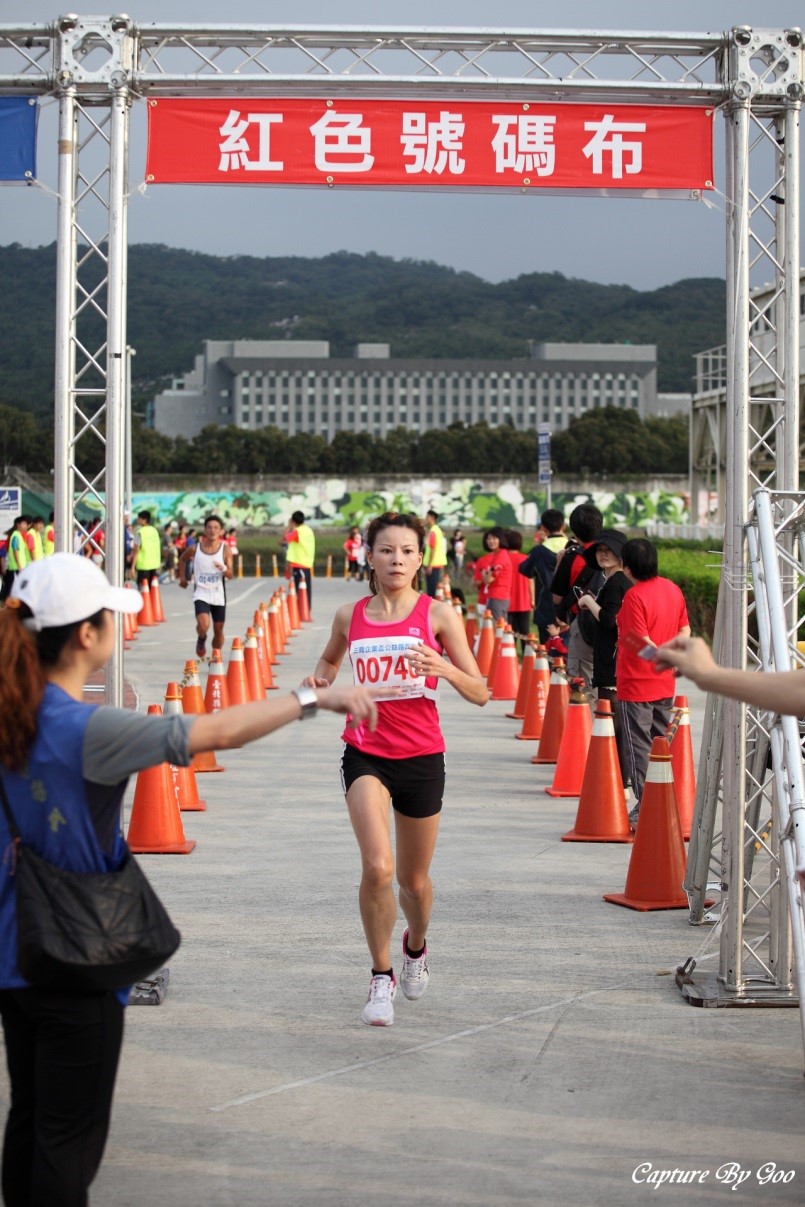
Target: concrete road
x,y
552,1060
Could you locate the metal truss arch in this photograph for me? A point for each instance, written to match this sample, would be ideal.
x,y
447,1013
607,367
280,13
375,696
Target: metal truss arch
x,y
96,66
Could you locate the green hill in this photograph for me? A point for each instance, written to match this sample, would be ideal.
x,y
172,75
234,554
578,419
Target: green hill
x,y
177,298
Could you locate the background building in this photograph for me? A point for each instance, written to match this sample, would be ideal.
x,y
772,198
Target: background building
x,y
297,386
708,433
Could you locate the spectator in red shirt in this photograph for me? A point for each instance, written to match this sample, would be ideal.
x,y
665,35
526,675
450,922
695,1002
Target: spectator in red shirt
x,y
653,612
494,572
521,598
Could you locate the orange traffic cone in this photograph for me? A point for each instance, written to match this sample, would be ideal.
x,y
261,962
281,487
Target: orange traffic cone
x,y
275,630
216,696
286,616
192,699
682,764
236,679
264,615
155,826
131,617
183,778
251,663
507,672
193,703
486,644
128,630
526,671
293,608
156,601
657,866
537,699
601,815
572,756
262,652
146,615
500,625
471,629
304,602
555,712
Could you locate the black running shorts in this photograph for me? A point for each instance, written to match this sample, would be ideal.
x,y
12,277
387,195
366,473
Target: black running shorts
x,y
216,611
415,785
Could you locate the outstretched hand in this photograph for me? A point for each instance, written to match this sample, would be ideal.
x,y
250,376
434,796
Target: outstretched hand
x,y
360,702
689,655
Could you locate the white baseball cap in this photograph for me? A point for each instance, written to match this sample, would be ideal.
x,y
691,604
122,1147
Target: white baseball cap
x,y
65,588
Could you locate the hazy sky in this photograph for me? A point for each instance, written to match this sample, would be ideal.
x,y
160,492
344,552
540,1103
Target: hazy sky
x,y
644,243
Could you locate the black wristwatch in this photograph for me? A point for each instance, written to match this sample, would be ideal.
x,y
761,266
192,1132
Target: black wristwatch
x,y
308,699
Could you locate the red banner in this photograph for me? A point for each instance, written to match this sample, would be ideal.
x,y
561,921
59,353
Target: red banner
x,y
430,144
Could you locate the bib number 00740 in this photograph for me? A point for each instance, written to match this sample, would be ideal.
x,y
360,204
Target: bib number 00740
x,y
389,669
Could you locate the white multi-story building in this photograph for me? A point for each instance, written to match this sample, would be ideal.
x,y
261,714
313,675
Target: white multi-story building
x,y
298,387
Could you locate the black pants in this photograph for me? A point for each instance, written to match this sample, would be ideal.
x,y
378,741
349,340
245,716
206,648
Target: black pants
x,y
299,573
432,579
62,1052
7,584
610,693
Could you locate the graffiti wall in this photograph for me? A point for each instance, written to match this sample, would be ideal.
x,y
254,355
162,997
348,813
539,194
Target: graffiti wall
x,y
458,501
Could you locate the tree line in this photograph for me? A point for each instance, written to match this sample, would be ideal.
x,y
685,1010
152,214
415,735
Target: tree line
x,y
607,440
176,299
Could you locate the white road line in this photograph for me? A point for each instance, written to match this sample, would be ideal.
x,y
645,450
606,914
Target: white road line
x,y
434,1043
233,601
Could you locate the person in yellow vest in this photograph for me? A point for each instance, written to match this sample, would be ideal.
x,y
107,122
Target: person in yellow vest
x,y
17,556
49,537
37,544
300,551
149,548
435,556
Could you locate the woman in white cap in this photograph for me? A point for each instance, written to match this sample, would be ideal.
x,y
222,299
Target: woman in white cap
x,y
64,766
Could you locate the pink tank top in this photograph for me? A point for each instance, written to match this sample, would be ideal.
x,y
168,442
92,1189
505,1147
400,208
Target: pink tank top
x,y
408,725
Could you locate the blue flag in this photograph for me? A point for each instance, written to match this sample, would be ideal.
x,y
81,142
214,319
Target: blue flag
x,y
18,116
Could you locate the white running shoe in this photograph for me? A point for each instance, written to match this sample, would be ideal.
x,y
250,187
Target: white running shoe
x,y
379,1008
415,975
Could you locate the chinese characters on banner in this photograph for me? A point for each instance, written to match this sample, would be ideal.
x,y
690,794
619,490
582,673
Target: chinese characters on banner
x,y
470,144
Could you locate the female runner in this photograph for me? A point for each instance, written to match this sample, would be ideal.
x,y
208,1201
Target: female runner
x,y
396,637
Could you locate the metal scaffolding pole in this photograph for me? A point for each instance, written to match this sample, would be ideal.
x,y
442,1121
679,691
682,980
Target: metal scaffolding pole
x,y
737,506
116,376
64,411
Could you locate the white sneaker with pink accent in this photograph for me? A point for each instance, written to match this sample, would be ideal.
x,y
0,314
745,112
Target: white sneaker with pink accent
x,y
415,974
379,1008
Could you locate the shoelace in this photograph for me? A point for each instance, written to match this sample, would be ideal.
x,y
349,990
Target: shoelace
x,y
380,989
414,969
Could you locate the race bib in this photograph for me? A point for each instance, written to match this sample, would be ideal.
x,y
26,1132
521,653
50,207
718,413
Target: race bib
x,y
381,662
208,580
